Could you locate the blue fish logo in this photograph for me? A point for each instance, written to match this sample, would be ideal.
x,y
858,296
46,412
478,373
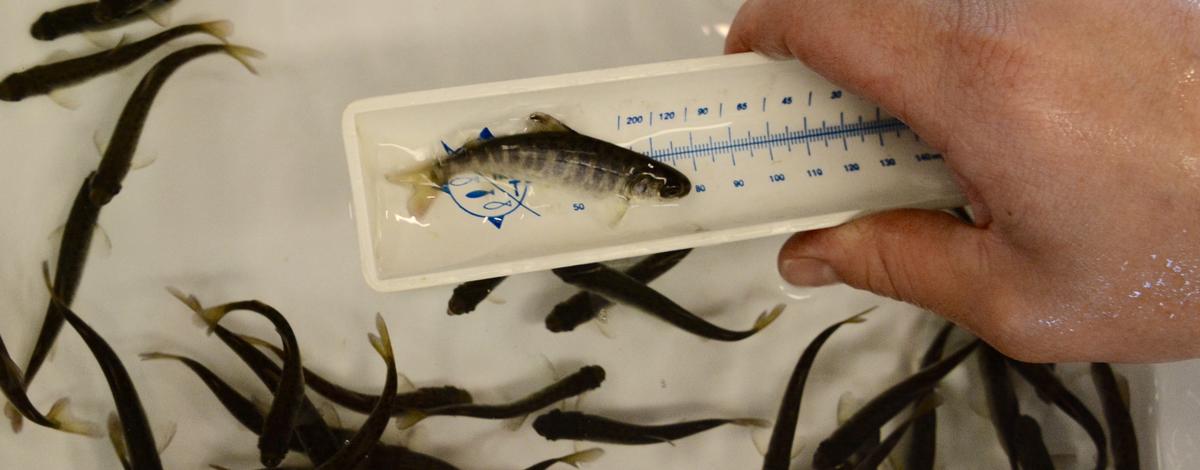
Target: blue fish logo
x,y
491,199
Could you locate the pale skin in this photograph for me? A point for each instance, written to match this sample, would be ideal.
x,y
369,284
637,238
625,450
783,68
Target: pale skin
x,y
1073,127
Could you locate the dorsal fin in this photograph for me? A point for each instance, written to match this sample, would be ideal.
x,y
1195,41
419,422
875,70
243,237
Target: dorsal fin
x,y
542,122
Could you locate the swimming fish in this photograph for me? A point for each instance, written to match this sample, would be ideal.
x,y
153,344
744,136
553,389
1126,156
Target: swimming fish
x,y
1034,454
583,456
558,424
468,295
1002,402
779,451
240,407
1047,385
108,10
550,152
585,379
1116,413
421,398
584,306
68,271
143,453
285,406
118,157
848,437
368,435
47,78
316,438
14,389
620,287
247,413
873,457
922,444
79,18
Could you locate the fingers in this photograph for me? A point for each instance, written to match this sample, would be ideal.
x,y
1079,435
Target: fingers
x,y
923,257
887,52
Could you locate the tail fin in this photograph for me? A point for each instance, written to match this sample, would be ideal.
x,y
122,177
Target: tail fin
x,y
262,343
858,317
150,356
116,436
409,419
221,29
243,54
751,422
14,417
208,317
768,317
425,189
583,456
383,342
159,15
61,416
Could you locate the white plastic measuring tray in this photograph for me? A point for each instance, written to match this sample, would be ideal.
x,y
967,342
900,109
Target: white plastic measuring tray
x,y
769,146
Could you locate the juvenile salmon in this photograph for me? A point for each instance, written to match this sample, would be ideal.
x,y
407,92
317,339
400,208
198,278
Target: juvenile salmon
x,y
551,152
44,79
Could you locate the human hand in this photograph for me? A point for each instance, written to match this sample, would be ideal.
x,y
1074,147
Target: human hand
x,y
1074,129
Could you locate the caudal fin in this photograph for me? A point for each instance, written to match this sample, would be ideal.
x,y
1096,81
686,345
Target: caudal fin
x,y
768,317
423,187
221,29
243,54
207,317
751,422
60,415
583,456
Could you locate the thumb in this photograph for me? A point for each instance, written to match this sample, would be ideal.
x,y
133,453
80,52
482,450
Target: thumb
x,y
927,258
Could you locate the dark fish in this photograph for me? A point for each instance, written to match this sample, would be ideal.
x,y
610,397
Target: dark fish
x,y
585,379
1002,402
20,405
583,456
288,393
619,287
246,413
558,424
240,407
1116,413
848,437
552,152
1047,385
118,157
68,270
108,10
44,79
879,453
79,18
469,294
779,451
420,399
143,454
372,429
584,306
311,431
1034,455
923,443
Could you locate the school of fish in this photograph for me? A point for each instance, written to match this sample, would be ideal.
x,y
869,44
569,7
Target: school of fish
x,y
549,152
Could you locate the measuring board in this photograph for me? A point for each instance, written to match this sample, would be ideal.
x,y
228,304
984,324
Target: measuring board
x,y
768,146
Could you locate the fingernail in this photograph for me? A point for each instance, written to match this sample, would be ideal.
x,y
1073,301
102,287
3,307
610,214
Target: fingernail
x,y
808,272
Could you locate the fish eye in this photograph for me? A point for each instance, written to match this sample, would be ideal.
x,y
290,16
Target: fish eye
x,y
674,189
